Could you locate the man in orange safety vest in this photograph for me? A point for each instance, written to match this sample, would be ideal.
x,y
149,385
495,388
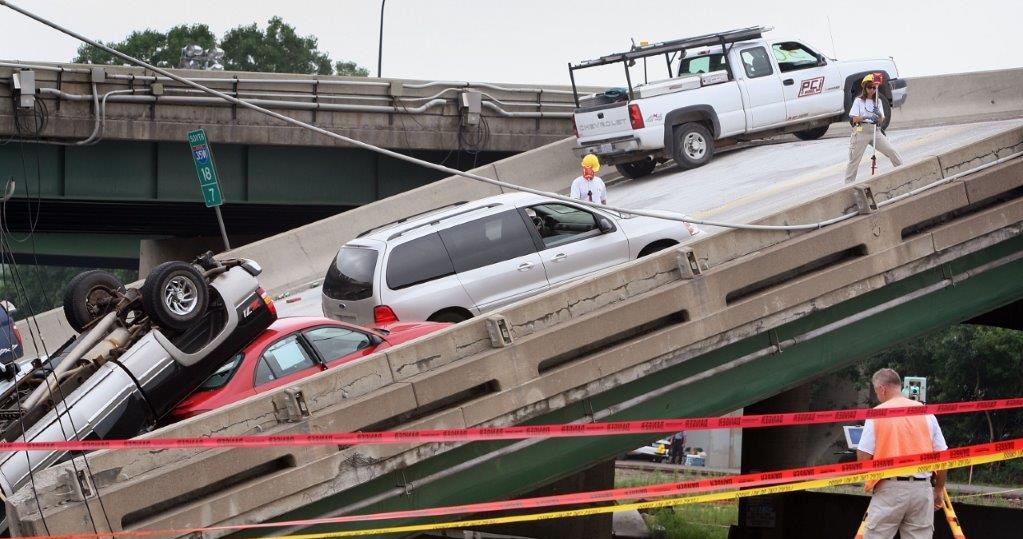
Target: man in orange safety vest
x,y
901,504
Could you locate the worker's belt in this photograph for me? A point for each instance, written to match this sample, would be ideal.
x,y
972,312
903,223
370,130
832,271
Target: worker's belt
x,y
911,478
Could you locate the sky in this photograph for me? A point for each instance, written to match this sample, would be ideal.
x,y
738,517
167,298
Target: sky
x,y
531,41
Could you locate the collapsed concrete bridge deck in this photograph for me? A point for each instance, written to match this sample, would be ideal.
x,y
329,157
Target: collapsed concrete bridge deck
x,y
705,329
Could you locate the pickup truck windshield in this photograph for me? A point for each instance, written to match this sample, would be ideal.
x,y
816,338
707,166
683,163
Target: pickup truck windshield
x,y
704,63
792,56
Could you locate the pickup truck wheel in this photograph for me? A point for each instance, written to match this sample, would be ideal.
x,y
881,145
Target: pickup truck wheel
x,y
694,146
90,295
637,169
812,134
175,295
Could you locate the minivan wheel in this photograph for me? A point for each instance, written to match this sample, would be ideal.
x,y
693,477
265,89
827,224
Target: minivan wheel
x,y
449,315
90,295
175,295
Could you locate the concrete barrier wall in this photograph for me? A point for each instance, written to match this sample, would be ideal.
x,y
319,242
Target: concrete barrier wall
x,y
299,256
962,98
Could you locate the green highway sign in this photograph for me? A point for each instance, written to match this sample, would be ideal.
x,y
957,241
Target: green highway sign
x,y
204,168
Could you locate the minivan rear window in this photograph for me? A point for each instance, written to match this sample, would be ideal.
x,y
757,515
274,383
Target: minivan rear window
x,y
420,260
350,277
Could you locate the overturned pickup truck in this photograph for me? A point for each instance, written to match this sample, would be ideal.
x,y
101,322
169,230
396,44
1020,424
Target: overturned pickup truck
x,y
720,88
139,353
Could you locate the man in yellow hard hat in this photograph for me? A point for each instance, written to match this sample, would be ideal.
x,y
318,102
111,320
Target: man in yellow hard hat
x,y
867,109
589,186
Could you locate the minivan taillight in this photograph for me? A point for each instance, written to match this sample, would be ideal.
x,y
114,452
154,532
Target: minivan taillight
x,y
382,314
17,334
636,117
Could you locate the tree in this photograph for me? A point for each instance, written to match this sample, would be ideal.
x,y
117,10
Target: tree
x,y
34,289
157,48
350,69
278,49
964,363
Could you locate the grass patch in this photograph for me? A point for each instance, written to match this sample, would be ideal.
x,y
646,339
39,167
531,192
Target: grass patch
x,y
701,521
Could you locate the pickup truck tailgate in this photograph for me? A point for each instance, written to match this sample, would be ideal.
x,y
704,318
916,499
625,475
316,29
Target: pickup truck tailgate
x,y
603,120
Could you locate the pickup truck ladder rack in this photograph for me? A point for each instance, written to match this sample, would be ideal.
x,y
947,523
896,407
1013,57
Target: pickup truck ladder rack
x,y
666,48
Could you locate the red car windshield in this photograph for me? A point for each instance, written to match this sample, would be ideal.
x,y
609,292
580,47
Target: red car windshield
x,y
223,375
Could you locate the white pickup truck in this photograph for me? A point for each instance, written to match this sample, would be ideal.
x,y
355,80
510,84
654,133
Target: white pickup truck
x,y
721,88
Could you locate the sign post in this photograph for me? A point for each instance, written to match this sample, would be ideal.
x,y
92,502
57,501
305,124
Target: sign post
x,y
207,174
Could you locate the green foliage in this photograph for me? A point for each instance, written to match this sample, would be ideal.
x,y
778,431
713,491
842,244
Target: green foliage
x,y
350,69
703,521
36,289
158,48
277,49
1006,473
962,363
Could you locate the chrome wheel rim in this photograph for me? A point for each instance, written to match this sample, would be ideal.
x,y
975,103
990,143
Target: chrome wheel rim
x,y
695,145
180,296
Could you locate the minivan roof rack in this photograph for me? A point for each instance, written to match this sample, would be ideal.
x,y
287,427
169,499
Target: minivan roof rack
x,y
413,216
437,221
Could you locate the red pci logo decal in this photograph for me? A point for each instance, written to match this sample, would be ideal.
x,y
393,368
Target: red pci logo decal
x,y
812,86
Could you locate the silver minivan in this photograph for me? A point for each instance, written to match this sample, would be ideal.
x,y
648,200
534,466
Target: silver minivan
x,y
456,262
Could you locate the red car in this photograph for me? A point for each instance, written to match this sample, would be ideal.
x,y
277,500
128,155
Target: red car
x,y
290,349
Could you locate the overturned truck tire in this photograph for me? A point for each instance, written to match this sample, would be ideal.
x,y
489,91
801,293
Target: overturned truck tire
x,y
89,296
175,295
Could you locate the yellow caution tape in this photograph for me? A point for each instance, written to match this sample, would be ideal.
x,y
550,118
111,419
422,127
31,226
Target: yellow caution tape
x,y
671,502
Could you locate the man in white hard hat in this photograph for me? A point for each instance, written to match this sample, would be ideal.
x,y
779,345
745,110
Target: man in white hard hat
x,y
589,186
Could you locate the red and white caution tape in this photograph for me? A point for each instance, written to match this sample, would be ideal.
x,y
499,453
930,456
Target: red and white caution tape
x,y
520,432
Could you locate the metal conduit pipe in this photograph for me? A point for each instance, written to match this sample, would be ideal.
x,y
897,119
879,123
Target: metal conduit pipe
x,y
19,65
462,84
334,107
438,95
101,115
541,114
232,80
187,100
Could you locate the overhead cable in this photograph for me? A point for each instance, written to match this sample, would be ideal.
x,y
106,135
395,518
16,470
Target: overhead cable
x,y
660,214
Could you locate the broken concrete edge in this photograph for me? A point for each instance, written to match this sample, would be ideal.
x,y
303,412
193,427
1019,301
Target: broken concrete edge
x,y
370,462
454,377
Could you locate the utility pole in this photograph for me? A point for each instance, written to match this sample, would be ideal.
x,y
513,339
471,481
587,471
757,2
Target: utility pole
x,y
380,50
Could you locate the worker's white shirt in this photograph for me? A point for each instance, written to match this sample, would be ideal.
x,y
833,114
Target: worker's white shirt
x,y
862,108
582,188
868,441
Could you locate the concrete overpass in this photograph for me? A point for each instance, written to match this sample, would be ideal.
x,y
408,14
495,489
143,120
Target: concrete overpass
x,y
757,313
105,150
